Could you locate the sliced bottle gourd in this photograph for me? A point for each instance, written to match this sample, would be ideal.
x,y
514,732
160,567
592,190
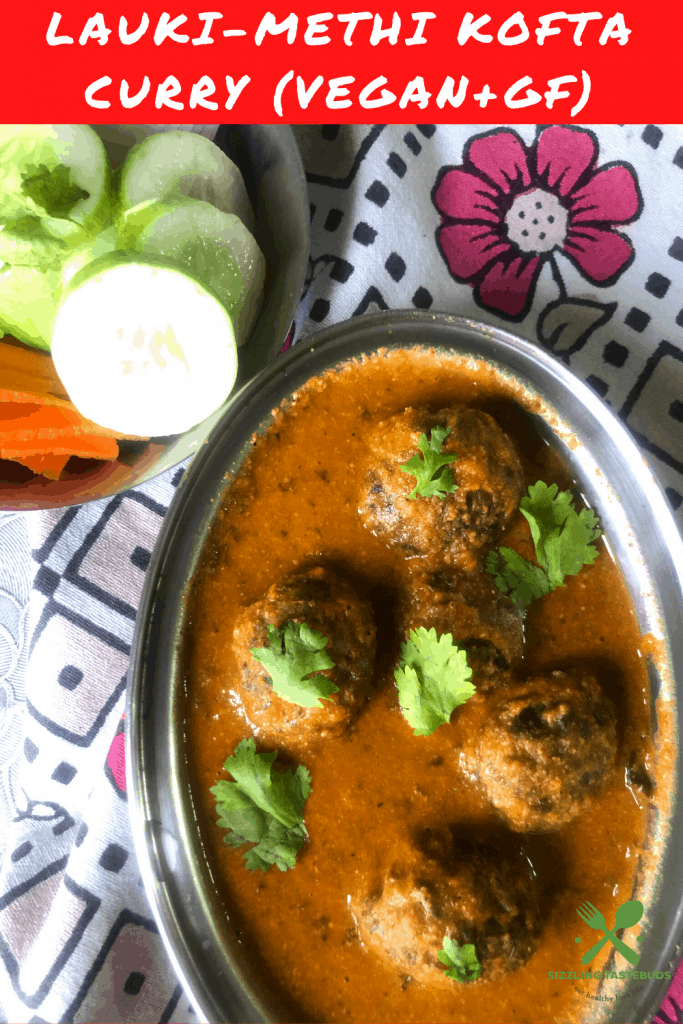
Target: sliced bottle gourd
x,y
93,249
213,246
184,163
28,304
58,173
55,189
142,348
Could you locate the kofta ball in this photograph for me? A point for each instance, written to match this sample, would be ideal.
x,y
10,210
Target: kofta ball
x,y
475,613
470,890
328,604
487,471
545,749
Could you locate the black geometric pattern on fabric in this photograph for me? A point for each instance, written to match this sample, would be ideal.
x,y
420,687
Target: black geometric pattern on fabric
x,y
91,905
371,295
412,144
171,1005
55,535
678,157
664,349
53,607
600,386
30,750
676,411
21,851
679,319
126,917
35,811
341,271
395,267
426,129
82,833
64,773
70,677
140,558
63,826
178,476
657,285
674,497
333,219
422,298
652,135
637,319
319,310
133,983
85,739
113,858
378,193
615,354
363,150
73,573
396,164
364,234
676,249
46,580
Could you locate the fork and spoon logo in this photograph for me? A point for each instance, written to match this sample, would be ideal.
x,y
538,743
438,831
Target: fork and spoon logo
x,y
627,915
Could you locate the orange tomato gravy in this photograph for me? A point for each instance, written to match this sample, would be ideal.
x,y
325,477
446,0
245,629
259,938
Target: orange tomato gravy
x,y
294,501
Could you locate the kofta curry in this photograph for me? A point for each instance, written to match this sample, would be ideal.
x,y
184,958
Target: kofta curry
x,y
481,835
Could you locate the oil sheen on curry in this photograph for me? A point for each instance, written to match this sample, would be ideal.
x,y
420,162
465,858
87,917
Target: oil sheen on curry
x,y
482,829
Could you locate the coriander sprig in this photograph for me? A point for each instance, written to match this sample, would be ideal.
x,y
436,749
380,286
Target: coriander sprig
x,y
563,542
433,678
461,961
264,807
295,653
433,473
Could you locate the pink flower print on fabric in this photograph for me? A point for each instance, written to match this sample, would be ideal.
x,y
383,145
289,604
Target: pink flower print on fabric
x,y
115,766
508,209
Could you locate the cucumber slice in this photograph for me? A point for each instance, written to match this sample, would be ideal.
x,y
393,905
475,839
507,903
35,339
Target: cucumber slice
x,y
28,303
57,172
183,163
213,246
141,348
101,245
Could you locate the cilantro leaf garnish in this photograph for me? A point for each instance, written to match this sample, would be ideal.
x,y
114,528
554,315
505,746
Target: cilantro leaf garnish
x,y
523,580
433,678
433,474
52,188
562,540
461,961
295,653
263,806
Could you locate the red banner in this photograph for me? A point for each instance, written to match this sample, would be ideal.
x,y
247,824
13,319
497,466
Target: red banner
x,y
483,61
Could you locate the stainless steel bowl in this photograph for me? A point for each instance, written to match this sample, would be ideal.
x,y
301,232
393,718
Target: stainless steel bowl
x,y
641,533
269,159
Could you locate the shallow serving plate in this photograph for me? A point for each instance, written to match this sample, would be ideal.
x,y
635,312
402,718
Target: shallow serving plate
x,y
269,160
641,533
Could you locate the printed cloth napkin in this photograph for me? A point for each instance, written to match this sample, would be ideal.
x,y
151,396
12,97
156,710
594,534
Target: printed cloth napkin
x,y
570,236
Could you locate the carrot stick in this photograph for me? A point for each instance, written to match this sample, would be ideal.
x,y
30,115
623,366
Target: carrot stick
x,y
49,465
